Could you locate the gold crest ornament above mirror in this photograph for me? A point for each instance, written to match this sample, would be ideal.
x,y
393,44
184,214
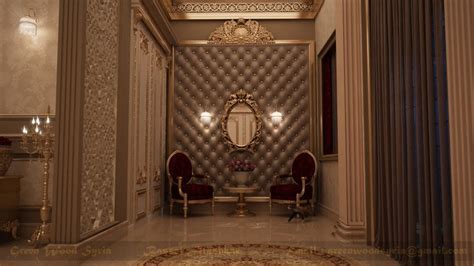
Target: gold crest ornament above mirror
x,y
241,32
242,129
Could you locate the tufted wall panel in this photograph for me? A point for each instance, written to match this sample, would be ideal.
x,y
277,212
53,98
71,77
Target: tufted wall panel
x,y
277,75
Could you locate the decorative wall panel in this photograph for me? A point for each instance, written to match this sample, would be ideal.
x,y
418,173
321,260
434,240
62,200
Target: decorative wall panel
x,y
277,75
100,115
147,123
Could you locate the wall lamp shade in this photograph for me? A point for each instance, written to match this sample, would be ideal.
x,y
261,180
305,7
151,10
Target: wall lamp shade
x,y
277,117
28,25
206,119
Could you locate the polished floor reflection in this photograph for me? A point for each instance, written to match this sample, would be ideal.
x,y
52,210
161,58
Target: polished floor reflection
x,y
159,232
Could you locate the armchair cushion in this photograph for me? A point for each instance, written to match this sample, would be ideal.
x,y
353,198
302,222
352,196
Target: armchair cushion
x,y
289,191
180,165
303,165
194,191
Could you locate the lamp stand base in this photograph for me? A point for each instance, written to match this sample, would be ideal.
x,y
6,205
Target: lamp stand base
x,y
41,236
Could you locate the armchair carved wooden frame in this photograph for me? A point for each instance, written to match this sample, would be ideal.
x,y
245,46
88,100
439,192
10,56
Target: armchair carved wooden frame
x,y
301,185
181,188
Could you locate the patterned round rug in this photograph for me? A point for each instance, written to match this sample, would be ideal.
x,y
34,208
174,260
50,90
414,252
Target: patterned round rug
x,y
244,254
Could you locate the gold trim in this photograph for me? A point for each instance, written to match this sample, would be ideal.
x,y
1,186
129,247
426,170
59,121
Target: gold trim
x,y
241,32
242,96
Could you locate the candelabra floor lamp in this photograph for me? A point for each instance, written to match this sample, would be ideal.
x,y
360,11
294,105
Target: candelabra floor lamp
x,y
38,138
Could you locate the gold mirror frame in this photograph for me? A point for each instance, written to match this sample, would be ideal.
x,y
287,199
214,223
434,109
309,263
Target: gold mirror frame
x,y
242,96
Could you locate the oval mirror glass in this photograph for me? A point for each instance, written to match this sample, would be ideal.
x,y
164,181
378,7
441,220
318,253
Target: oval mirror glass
x,y
241,124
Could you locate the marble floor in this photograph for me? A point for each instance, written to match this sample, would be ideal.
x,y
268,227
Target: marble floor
x,y
161,231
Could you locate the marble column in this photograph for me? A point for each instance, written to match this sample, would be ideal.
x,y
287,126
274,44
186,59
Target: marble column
x,y
460,71
351,225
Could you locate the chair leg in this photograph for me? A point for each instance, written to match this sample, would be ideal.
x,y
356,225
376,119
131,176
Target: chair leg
x,y
171,207
185,207
270,205
213,204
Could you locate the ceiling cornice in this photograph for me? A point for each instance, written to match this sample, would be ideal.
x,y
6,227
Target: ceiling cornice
x,y
160,19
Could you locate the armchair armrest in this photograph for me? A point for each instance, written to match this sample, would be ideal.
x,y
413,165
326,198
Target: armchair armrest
x,y
202,178
303,188
180,188
277,179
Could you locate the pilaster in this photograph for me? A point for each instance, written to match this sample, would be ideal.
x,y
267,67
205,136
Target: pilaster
x,y
351,225
460,71
69,122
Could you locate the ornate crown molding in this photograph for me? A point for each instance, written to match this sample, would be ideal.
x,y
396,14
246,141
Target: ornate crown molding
x,y
241,32
233,9
223,7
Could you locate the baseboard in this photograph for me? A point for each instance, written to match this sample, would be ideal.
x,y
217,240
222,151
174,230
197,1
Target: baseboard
x,y
78,250
328,212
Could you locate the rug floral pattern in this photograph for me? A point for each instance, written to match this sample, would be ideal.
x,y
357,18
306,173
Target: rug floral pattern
x,y
244,254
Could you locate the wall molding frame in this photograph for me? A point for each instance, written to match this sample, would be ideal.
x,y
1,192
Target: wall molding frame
x,y
319,90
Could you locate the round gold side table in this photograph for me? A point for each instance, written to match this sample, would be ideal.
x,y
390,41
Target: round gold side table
x,y
241,210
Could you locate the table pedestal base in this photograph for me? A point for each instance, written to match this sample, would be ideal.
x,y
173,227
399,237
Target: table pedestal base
x,y
241,210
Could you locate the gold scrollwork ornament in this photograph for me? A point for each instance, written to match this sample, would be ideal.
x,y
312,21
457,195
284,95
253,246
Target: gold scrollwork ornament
x,y
241,32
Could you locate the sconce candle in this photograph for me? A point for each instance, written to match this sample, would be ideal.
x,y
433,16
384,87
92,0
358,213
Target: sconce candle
x,y
277,117
28,25
206,119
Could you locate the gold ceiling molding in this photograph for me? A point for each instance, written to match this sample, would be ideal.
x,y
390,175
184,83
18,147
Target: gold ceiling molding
x,y
230,9
241,32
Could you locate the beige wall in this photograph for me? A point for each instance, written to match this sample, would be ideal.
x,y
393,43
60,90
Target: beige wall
x,y
28,63
28,82
325,25
281,29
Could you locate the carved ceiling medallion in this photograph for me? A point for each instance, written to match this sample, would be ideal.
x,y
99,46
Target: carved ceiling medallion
x,y
241,32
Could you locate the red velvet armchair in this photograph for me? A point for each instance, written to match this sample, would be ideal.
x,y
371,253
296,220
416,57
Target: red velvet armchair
x,y
181,186
298,186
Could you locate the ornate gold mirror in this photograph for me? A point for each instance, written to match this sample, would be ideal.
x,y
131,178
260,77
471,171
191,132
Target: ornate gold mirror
x,y
241,123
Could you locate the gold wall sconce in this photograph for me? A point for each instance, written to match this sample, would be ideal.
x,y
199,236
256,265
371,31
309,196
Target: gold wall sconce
x,y
29,24
277,117
206,118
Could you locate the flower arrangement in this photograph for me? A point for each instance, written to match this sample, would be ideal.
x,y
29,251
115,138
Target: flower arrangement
x,y
241,166
5,142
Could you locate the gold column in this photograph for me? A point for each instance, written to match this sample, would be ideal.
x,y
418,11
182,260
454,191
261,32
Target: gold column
x,y
351,225
460,71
